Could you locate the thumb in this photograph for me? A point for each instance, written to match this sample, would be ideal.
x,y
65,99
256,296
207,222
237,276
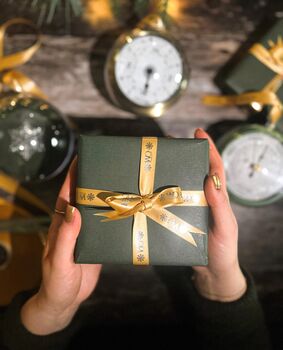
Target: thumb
x,y
67,236
223,217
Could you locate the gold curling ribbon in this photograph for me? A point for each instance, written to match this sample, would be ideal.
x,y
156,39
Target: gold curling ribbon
x,y
10,190
14,80
146,204
273,59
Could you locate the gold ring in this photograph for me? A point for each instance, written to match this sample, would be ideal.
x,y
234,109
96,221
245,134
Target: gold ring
x,y
217,182
57,211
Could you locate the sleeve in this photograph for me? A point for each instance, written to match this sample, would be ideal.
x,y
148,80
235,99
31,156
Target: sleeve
x,y
230,325
16,337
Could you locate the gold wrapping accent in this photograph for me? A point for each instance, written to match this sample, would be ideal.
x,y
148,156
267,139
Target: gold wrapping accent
x,y
273,59
146,204
11,78
12,186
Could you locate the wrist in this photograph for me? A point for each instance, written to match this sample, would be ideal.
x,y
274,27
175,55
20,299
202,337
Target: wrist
x,y
224,286
40,318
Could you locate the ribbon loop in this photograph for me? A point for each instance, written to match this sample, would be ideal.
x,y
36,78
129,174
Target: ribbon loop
x,y
273,59
125,205
10,78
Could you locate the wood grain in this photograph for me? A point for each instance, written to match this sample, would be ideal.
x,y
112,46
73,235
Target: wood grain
x,y
210,33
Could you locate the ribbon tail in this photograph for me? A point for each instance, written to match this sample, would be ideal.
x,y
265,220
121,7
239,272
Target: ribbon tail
x,y
140,240
264,97
242,99
174,224
20,83
18,58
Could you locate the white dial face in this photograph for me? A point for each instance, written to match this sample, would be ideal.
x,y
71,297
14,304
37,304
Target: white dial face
x,y
254,166
148,70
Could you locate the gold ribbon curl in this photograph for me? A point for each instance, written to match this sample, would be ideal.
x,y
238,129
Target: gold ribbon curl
x,y
146,204
273,59
10,78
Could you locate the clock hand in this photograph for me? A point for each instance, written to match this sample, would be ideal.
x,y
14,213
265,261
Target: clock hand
x,y
262,154
255,166
148,72
251,174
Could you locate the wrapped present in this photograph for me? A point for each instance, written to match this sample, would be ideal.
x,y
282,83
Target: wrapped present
x,y
262,63
141,200
257,79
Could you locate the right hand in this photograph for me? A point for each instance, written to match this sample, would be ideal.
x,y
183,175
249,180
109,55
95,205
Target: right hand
x,y
65,285
222,279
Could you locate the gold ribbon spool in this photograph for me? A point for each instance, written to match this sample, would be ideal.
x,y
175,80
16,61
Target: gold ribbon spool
x,y
14,80
273,59
146,204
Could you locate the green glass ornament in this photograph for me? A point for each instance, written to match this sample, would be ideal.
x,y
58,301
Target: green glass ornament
x,y
35,141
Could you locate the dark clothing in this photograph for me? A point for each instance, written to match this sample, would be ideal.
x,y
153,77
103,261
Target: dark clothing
x,y
207,325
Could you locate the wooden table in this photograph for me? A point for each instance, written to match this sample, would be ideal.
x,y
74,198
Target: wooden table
x,y
210,33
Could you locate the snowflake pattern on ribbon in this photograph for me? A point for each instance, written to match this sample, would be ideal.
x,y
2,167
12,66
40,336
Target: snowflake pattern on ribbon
x,y
149,146
125,202
27,140
140,258
140,234
90,196
163,217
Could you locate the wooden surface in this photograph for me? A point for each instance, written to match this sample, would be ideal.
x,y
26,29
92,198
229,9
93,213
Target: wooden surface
x,y
210,33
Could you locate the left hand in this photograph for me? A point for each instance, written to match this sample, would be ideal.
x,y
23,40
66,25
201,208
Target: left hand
x,y
65,285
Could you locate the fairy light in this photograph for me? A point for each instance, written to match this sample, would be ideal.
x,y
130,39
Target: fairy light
x,y
98,12
256,106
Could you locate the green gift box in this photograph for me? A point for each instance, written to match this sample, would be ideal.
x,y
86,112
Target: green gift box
x,y
141,200
250,73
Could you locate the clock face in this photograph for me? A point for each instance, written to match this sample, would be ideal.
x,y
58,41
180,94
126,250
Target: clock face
x,y
148,70
254,166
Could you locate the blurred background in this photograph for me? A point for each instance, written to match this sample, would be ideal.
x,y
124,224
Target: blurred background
x,y
76,38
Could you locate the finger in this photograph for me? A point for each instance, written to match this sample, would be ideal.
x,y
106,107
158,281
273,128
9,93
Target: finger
x,y
224,221
66,195
216,164
62,252
201,134
67,192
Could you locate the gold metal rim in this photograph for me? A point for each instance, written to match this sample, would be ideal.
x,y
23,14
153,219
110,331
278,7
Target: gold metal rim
x,y
113,89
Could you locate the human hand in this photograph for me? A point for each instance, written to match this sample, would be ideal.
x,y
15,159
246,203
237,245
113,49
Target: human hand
x,y
222,279
65,285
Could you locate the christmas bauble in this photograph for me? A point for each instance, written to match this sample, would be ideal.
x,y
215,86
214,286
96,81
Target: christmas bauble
x,y
35,141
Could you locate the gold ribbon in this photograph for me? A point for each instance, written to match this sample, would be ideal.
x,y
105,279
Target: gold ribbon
x,y
14,80
273,59
13,203
146,204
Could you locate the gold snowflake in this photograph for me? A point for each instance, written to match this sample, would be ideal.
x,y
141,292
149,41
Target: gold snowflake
x,y
149,146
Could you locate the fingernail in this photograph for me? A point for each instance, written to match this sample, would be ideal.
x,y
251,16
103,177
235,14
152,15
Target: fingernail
x,y
216,181
70,211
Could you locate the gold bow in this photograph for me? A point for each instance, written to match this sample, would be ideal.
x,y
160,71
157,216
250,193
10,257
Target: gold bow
x,y
146,204
14,80
273,59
